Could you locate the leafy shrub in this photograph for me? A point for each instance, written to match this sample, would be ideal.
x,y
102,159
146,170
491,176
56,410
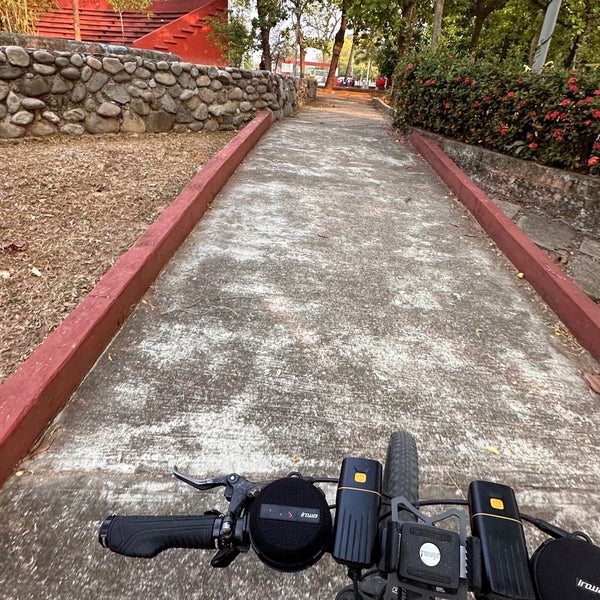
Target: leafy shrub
x,y
552,118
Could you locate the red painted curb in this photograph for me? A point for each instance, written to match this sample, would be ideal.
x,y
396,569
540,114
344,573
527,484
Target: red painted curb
x,y
579,313
35,393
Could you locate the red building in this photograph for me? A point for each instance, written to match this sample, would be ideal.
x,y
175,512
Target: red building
x,y
176,26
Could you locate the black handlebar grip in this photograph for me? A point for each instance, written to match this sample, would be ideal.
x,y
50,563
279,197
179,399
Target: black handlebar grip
x,y
145,537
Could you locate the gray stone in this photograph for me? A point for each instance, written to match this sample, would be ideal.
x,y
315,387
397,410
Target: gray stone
x,y
132,123
121,77
193,102
230,107
86,73
176,68
3,59
51,116
211,125
585,270
162,65
17,56
23,117
140,107
159,121
591,247
13,102
508,208
140,84
71,73
165,78
78,94
74,115
194,72
94,63
41,128
207,96
73,129
32,104
201,113
224,77
9,73
133,91
11,131
117,92
4,89
216,85
96,82
168,104
60,85
3,111
175,91
186,95
183,115
186,66
77,60
112,65
212,72
148,64
44,69
245,107
203,81
108,109
90,104
546,232
216,110
236,94
97,124
130,67
196,126
143,73
62,62
44,57
187,82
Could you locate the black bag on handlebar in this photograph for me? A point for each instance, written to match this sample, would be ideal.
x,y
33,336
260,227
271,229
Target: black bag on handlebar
x,y
567,568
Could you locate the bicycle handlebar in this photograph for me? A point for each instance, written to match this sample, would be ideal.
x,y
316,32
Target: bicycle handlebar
x,y
147,536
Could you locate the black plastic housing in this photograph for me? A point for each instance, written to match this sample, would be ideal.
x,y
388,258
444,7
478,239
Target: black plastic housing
x,y
495,520
357,514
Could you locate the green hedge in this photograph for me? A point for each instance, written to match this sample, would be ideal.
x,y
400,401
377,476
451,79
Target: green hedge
x,y
552,118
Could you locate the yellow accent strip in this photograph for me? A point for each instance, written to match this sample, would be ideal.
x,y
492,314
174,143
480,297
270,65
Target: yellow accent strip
x,y
497,517
359,490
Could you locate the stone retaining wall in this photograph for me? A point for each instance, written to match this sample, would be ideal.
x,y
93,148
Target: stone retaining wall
x,y
572,197
44,92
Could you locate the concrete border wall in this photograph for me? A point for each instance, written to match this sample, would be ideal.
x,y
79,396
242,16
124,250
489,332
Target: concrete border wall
x,y
45,92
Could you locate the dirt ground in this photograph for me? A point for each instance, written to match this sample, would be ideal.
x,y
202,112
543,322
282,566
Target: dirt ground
x,y
69,207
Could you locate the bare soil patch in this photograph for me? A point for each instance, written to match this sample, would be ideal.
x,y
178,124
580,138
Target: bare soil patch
x,y
69,208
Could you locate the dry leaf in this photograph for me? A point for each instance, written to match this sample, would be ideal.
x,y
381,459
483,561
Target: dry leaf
x,y
492,449
35,271
593,381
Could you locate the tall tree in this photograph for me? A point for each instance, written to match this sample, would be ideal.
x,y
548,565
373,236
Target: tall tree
x,y
483,9
21,16
122,6
338,43
270,13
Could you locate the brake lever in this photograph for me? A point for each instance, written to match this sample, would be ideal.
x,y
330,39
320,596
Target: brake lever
x,y
237,488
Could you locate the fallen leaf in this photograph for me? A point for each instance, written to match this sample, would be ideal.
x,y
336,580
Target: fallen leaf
x,y
492,449
521,275
593,381
35,271
5,274
295,459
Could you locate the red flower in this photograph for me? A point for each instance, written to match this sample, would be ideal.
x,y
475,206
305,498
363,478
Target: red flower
x,y
503,130
511,94
557,133
458,79
565,102
596,114
573,80
409,66
562,117
533,145
594,160
573,88
588,100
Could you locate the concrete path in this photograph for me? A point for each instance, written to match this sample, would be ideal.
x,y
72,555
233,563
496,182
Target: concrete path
x,y
335,291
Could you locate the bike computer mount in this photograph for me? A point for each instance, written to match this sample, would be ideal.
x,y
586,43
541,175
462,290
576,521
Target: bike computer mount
x,y
432,561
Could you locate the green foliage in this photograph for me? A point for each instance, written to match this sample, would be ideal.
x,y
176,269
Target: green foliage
x,y
21,16
140,6
552,118
231,37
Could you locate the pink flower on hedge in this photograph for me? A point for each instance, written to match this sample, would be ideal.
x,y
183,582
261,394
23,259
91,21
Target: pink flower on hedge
x,y
511,94
533,145
573,80
593,161
503,130
596,114
557,133
473,83
596,92
458,79
565,102
573,88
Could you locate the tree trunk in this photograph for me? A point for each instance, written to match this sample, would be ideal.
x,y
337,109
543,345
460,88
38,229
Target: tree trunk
x,y
338,43
405,35
76,25
437,22
266,47
483,9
